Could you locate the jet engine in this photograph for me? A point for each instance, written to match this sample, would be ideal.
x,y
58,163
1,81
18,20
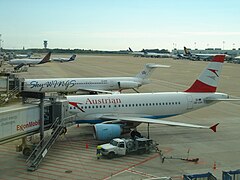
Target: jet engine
x,y
105,132
128,84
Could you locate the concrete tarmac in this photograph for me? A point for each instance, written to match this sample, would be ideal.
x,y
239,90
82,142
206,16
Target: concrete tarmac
x,y
69,158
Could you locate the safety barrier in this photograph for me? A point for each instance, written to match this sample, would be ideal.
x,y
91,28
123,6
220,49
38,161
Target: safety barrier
x,y
231,175
206,176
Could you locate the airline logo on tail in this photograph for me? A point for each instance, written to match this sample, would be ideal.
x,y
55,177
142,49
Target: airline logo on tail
x,y
46,58
208,79
73,57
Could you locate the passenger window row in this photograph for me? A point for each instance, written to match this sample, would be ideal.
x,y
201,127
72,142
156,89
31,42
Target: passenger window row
x,y
128,105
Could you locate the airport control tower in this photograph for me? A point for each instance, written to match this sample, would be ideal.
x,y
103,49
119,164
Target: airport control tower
x,y
45,43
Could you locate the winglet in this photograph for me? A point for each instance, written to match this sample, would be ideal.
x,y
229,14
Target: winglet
x,y
214,127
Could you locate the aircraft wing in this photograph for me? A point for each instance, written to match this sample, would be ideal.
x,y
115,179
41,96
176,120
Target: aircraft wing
x,y
156,121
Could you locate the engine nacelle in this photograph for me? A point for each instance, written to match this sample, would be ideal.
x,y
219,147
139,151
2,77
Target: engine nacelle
x,y
105,132
128,84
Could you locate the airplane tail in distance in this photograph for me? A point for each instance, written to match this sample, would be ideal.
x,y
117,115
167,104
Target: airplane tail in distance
x,y
186,51
208,79
46,58
72,58
148,69
130,49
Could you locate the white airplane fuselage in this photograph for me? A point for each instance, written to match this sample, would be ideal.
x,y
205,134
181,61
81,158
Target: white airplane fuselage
x,y
24,61
77,84
145,105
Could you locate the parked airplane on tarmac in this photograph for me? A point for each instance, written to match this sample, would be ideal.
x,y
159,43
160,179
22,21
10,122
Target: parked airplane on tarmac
x,y
27,61
114,114
72,58
200,56
137,53
100,84
152,54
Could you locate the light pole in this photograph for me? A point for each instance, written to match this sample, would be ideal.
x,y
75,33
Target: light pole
x,y
223,44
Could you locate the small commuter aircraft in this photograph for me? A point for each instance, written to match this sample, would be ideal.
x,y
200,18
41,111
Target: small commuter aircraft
x,y
93,85
72,58
114,114
30,62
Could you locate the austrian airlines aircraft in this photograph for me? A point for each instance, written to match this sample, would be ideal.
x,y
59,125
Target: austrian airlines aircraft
x,y
30,61
125,111
101,84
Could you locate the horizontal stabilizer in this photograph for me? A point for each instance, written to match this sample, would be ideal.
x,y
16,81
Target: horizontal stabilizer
x,y
212,100
157,121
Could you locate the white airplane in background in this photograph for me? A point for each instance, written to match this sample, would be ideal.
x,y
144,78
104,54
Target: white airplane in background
x,y
27,61
136,53
118,113
72,58
200,56
20,56
151,54
100,84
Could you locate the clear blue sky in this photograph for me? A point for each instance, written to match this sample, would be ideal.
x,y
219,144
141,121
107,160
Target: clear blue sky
x,y
119,24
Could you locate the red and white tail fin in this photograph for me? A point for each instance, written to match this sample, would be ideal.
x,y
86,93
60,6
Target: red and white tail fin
x,y
208,79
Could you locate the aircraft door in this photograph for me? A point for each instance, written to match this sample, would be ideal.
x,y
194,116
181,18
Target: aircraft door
x,y
121,148
189,102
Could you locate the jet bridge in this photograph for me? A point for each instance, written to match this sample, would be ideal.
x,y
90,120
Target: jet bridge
x,y
22,120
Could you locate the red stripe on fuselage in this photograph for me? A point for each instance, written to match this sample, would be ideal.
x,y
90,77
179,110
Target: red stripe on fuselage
x,y
199,86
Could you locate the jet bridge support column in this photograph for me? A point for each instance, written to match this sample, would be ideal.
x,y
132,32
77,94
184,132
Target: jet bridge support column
x,y
41,119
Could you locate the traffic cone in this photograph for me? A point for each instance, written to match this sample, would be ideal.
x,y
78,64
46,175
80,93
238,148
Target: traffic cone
x,y
214,165
86,145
